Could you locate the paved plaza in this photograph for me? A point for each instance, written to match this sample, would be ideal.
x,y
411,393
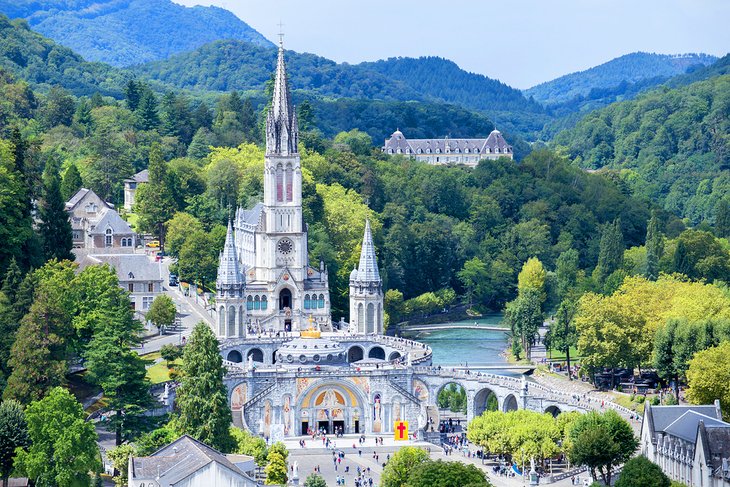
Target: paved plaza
x,y
314,455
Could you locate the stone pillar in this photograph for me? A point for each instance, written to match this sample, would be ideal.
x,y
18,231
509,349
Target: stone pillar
x,y
470,404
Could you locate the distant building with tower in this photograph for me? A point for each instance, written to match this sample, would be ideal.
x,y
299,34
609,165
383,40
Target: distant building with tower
x,y
467,152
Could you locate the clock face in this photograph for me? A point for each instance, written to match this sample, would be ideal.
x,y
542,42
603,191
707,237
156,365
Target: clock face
x,y
285,246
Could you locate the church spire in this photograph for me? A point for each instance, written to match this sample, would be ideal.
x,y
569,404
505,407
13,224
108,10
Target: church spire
x,y
282,131
228,270
367,271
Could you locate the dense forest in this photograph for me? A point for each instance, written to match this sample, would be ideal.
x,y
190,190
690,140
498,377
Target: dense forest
x,y
631,68
125,32
671,146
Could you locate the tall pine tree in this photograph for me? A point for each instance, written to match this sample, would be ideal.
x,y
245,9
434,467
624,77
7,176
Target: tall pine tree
x,y
680,262
722,218
110,360
654,248
55,227
202,398
71,182
610,251
154,202
147,116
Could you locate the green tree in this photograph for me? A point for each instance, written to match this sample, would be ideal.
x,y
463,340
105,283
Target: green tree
x,y
153,201
276,469
664,354
58,108
532,278
524,317
198,259
315,480
13,435
641,472
654,248
447,474
722,218
393,304
132,94
200,145
178,229
71,182
63,446
708,377
611,250
111,362
148,443
202,398
38,356
162,312
148,117
83,122
566,272
55,227
601,442
562,333
119,457
248,444
170,353
680,261
401,465
360,143
474,276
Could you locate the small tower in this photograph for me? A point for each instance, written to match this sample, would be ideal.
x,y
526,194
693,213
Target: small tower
x,y
230,286
366,290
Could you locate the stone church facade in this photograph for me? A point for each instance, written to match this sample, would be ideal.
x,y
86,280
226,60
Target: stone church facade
x,y
265,280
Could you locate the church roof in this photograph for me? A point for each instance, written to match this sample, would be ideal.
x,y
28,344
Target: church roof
x,y
715,444
658,418
177,461
281,121
367,270
111,219
252,216
229,272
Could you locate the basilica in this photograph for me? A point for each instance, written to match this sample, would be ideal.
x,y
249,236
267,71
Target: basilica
x,y
265,280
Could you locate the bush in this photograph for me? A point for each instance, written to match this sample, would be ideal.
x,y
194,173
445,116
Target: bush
x,y
655,401
170,353
640,472
640,399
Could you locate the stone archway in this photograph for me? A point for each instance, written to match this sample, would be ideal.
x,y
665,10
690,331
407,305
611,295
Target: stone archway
x,y
234,356
452,401
355,353
331,406
510,403
485,400
554,410
285,299
377,352
394,356
256,355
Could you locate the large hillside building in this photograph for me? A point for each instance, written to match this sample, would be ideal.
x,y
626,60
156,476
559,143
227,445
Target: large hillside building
x,y
466,152
265,280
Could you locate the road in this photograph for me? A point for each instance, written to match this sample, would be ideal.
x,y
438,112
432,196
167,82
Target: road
x,y
190,313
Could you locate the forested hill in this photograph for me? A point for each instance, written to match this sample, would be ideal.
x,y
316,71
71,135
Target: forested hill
x,y
443,79
43,63
671,145
125,32
628,69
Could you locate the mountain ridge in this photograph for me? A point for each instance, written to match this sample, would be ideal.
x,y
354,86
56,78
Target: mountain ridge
x,y
126,32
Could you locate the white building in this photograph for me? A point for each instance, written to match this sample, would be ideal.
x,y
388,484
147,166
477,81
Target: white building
x,y
691,444
366,290
187,462
466,152
131,185
265,280
96,225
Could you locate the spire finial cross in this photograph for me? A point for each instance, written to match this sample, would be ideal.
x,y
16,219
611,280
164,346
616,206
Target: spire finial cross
x,y
281,33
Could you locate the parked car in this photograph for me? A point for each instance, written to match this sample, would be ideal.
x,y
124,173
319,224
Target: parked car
x,y
155,244
173,280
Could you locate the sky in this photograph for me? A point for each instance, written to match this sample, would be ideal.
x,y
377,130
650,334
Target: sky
x,y
519,42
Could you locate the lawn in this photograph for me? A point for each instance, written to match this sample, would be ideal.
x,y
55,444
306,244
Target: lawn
x,y
160,373
132,219
560,356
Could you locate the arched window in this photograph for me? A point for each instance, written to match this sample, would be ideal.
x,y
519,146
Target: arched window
x,y
256,303
289,182
321,300
279,183
264,302
306,301
108,237
249,303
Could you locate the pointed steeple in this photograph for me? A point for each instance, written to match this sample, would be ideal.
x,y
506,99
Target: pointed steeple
x,y
282,131
228,270
367,271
